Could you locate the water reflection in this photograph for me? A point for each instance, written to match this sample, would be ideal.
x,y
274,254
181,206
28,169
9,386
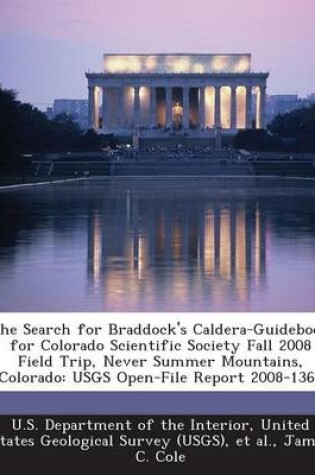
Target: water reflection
x,y
158,245
201,249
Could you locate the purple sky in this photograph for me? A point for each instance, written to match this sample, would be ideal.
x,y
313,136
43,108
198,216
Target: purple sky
x,y
46,45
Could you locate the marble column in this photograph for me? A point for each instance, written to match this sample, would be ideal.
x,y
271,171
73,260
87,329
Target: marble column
x,y
121,108
92,123
153,107
136,106
168,107
202,107
233,108
104,107
263,107
249,107
186,107
217,106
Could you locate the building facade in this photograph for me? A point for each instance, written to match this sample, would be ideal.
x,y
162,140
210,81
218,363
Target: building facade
x,y
76,108
200,92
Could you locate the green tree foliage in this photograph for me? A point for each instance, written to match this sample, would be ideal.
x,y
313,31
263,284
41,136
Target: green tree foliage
x,y
66,133
299,125
294,131
9,125
26,130
35,131
253,139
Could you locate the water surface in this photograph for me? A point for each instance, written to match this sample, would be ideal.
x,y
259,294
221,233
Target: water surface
x,y
199,244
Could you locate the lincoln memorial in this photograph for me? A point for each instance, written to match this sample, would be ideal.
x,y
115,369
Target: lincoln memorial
x,y
183,92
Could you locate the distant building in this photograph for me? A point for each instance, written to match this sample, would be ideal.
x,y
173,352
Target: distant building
x,y
50,113
284,103
76,108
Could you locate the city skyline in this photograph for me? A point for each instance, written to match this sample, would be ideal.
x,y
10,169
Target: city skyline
x,y
48,45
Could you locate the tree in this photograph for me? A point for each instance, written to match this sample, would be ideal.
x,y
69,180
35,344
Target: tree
x,y
66,133
9,125
26,130
293,131
253,139
298,124
36,131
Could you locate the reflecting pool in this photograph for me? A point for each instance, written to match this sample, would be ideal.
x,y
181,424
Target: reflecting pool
x,y
157,244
